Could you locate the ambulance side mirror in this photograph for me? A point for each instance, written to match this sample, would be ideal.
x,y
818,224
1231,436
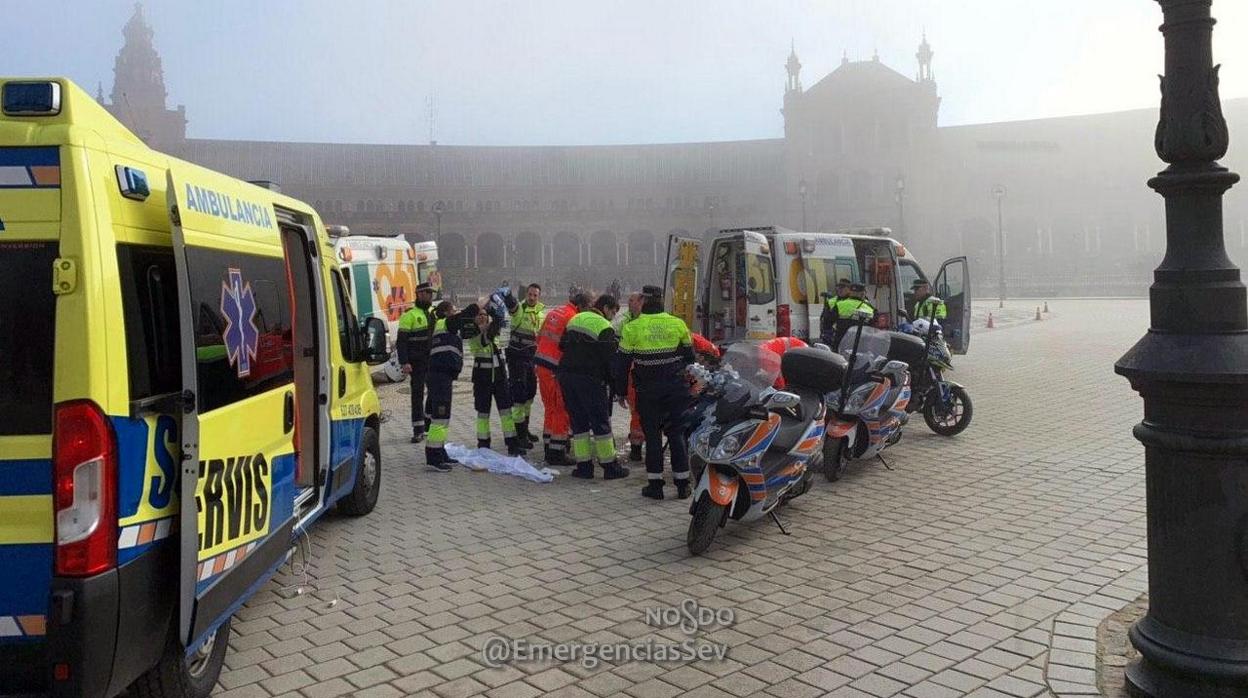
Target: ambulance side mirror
x,y
375,352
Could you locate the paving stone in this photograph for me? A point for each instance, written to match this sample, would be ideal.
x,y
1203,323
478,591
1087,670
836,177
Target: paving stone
x,y
996,558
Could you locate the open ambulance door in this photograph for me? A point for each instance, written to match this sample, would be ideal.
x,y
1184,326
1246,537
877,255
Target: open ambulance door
x,y
756,286
681,279
238,424
953,286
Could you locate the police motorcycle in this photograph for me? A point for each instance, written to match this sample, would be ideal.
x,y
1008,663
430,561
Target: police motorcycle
x,y
945,405
867,411
753,441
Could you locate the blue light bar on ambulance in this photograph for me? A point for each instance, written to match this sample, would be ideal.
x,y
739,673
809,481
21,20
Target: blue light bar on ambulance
x,y
31,98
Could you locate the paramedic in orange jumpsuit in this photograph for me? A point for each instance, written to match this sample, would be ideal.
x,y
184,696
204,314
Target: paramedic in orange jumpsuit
x,y
779,345
556,428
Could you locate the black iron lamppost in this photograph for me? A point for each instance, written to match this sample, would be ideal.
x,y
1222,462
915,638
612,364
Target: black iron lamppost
x,y
1192,371
899,192
438,208
999,193
801,191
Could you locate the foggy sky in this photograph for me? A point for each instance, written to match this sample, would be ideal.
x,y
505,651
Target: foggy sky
x,y
504,72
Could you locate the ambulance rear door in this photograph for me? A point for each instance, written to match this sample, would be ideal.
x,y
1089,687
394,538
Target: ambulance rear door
x,y
682,277
825,259
756,287
238,476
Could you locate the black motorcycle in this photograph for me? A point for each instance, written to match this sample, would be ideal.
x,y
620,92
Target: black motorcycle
x,y
945,405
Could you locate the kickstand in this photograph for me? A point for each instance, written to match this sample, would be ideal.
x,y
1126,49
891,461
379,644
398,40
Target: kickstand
x,y
775,518
886,465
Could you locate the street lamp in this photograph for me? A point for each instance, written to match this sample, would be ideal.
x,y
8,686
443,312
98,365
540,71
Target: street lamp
x,y
1191,369
899,191
801,191
438,208
999,192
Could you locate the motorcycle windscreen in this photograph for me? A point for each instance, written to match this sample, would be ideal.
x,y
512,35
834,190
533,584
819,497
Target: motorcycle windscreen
x,y
237,489
756,287
684,257
953,286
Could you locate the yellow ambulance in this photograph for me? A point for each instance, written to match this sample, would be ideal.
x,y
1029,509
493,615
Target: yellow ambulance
x,y
183,389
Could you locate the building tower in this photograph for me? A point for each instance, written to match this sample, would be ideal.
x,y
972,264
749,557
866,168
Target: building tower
x,y
139,95
924,55
792,87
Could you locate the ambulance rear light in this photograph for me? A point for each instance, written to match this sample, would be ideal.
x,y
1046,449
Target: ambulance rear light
x,y
31,98
84,465
784,320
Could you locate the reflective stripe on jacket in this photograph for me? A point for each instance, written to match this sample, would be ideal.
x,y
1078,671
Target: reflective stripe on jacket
x,y
657,347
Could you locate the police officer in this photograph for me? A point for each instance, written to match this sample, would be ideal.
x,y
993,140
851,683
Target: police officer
x,y
414,341
489,382
927,306
657,348
635,436
838,315
446,360
526,320
589,346
556,427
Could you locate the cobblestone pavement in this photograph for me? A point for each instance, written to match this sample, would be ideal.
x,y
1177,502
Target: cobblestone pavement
x,y
980,565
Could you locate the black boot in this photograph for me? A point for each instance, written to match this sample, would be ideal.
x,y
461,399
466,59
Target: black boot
x,y
515,447
653,489
557,457
483,443
613,471
634,453
585,470
683,490
418,436
437,460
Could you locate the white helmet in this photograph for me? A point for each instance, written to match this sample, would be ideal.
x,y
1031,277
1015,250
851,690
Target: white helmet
x,y
921,326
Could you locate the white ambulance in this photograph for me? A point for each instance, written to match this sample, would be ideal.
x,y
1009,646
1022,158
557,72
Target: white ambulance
x,y
382,273
760,282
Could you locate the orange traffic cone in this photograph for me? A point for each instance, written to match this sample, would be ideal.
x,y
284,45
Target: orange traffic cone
x,y
990,324
1037,312
1046,306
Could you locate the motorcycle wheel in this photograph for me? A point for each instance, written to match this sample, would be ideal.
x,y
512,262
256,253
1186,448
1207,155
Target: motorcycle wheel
x,y
707,516
835,459
957,419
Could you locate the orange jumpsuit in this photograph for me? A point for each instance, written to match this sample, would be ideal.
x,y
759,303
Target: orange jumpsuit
x,y
779,345
555,425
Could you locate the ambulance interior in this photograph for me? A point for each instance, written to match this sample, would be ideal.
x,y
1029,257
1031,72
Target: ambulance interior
x,y
877,260
738,280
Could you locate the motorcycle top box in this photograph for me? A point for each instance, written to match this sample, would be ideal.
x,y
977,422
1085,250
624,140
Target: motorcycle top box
x,y
815,370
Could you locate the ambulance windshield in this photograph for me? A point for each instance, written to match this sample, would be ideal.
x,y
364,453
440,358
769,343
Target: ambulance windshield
x,y
27,322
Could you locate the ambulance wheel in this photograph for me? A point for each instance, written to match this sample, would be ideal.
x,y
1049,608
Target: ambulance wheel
x,y
392,369
363,496
178,675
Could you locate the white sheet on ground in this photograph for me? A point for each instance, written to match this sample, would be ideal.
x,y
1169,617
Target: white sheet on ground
x,y
494,462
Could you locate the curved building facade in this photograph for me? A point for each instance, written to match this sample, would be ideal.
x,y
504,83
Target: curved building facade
x,y
861,147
